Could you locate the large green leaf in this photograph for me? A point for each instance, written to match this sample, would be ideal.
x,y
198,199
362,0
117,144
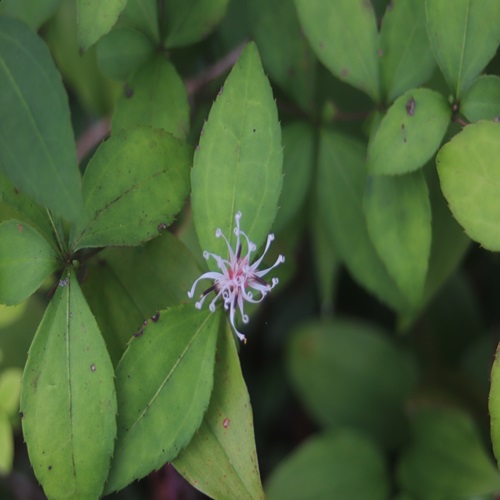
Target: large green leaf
x,y
68,400
189,21
469,171
221,460
37,149
95,18
26,260
122,51
237,165
344,36
163,384
410,133
34,14
298,163
134,185
286,55
349,373
398,215
447,458
340,464
406,60
155,96
464,35
482,99
340,186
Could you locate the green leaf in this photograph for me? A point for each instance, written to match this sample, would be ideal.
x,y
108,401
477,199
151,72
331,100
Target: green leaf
x,y
221,460
34,14
134,185
26,260
25,209
409,134
286,55
298,162
95,18
155,96
122,51
190,21
341,464
482,99
6,444
68,400
163,384
398,215
469,171
156,275
340,186
143,16
464,35
344,36
349,373
407,60
33,101
10,387
447,458
237,166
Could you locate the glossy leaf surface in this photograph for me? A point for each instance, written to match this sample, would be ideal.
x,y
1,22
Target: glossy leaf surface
x,y
33,101
134,185
398,215
338,464
68,399
409,134
238,163
221,459
344,36
464,35
26,260
163,383
469,171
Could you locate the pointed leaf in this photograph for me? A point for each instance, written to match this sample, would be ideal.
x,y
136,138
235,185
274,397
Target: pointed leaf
x,y
191,21
464,35
95,18
469,171
340,187
398,215
221,460
344,36
339,465
286,55
482,99
68,400
410,133
143,16
33,101
155,96
350,373
237,166
163,384
447,458
407,59
134,185
26,260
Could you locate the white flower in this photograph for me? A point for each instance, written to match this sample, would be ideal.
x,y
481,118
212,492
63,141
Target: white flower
x,y
239,280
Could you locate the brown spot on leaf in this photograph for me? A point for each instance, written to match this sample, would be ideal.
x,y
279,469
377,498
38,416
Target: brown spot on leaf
x,y
128,91
226,423
162,227
344,72
410,106
92,367
20,228
155,317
